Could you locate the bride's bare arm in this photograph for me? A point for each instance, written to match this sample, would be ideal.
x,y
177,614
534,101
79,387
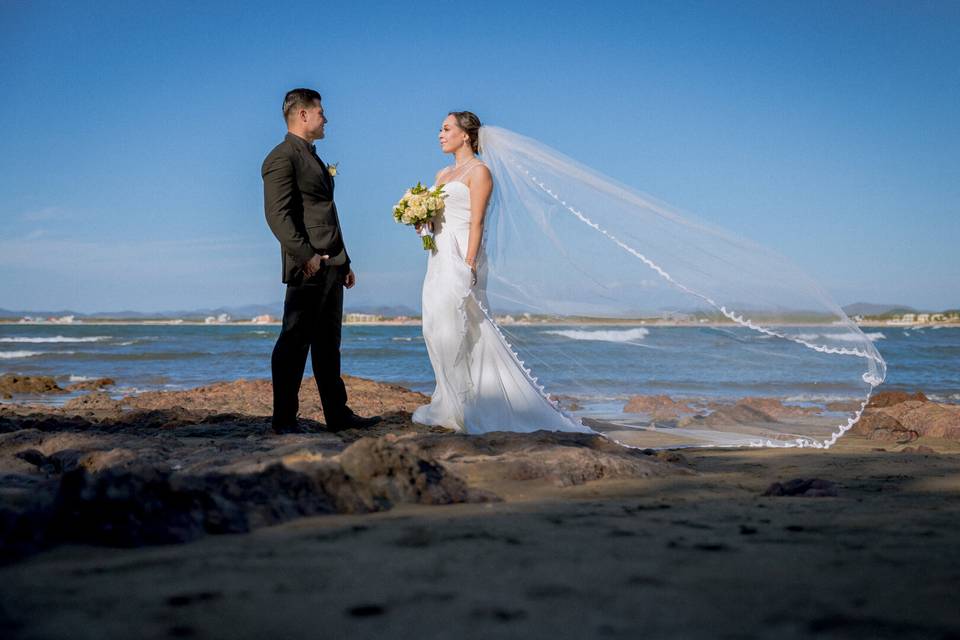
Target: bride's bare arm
x,y
481,186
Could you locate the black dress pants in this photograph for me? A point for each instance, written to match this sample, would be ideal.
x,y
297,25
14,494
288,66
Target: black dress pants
x,y
312,318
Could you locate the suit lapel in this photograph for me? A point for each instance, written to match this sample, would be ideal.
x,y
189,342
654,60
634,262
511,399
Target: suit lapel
x,y
327,178
318,166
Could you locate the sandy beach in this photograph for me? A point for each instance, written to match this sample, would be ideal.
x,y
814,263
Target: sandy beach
x,y
422,533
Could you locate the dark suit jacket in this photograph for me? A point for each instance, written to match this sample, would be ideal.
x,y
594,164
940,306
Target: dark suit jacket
x,y
298,203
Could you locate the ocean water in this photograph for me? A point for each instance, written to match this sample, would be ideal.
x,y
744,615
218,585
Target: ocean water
x,y
592,363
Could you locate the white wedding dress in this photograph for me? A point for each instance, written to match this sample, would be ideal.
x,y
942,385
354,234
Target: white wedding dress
x,y
481,384
561,240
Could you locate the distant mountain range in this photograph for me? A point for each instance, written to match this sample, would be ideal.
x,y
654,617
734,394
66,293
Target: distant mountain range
x,y
239,312
870,309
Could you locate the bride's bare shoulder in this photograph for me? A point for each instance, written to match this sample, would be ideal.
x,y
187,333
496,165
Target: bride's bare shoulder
x,y
479,176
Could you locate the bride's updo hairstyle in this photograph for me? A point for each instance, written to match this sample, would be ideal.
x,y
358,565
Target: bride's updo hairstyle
x,y
470,123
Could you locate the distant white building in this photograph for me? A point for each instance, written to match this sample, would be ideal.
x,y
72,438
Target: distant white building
x,y
264,319
223,318
362,317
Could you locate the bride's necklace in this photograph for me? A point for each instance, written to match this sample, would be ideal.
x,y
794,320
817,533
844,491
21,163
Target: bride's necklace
x,y
457,167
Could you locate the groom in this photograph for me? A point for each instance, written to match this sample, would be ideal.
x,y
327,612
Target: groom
x,y
298,201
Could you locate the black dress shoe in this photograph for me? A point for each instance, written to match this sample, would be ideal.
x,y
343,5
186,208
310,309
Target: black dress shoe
x,y
291,427
352,421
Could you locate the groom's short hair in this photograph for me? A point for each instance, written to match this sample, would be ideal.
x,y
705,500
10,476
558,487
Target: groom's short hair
x,y
299,99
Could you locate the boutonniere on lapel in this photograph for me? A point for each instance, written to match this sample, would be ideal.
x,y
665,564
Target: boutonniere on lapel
x,y
333,169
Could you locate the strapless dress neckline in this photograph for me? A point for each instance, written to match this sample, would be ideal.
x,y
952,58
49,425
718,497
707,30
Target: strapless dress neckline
x,y
462,184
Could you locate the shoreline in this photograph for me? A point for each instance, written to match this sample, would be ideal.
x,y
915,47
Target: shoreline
x,y
417,323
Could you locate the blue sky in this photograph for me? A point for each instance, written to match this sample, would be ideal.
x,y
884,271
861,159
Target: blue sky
x,y
133,133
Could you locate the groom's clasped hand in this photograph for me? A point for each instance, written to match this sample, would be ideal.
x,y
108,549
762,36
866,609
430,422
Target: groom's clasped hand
x,y
313,265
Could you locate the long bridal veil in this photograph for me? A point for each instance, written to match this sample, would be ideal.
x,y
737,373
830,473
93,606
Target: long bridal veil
x,y
656,328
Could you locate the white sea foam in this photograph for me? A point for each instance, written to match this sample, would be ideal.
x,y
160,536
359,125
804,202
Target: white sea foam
x,y
820,398
12,355
38,340
839,337
132,390
606,335
851,337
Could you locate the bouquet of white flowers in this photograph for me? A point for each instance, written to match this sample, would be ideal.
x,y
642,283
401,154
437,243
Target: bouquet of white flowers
x,y
418,206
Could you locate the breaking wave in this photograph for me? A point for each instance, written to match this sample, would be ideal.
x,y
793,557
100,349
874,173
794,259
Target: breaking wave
x,y
605,335
840,337
13,355
39,340
10,355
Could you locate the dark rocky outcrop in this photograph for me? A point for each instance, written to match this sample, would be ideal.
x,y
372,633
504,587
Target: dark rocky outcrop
x,y
171,467
890,398
881,426
115,498
658,407
729,414
91,385
843,406
799,487
775,408
904,417
563,459
12,383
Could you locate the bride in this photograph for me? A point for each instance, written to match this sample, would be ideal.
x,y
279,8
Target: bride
x,y
726,319
481,384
